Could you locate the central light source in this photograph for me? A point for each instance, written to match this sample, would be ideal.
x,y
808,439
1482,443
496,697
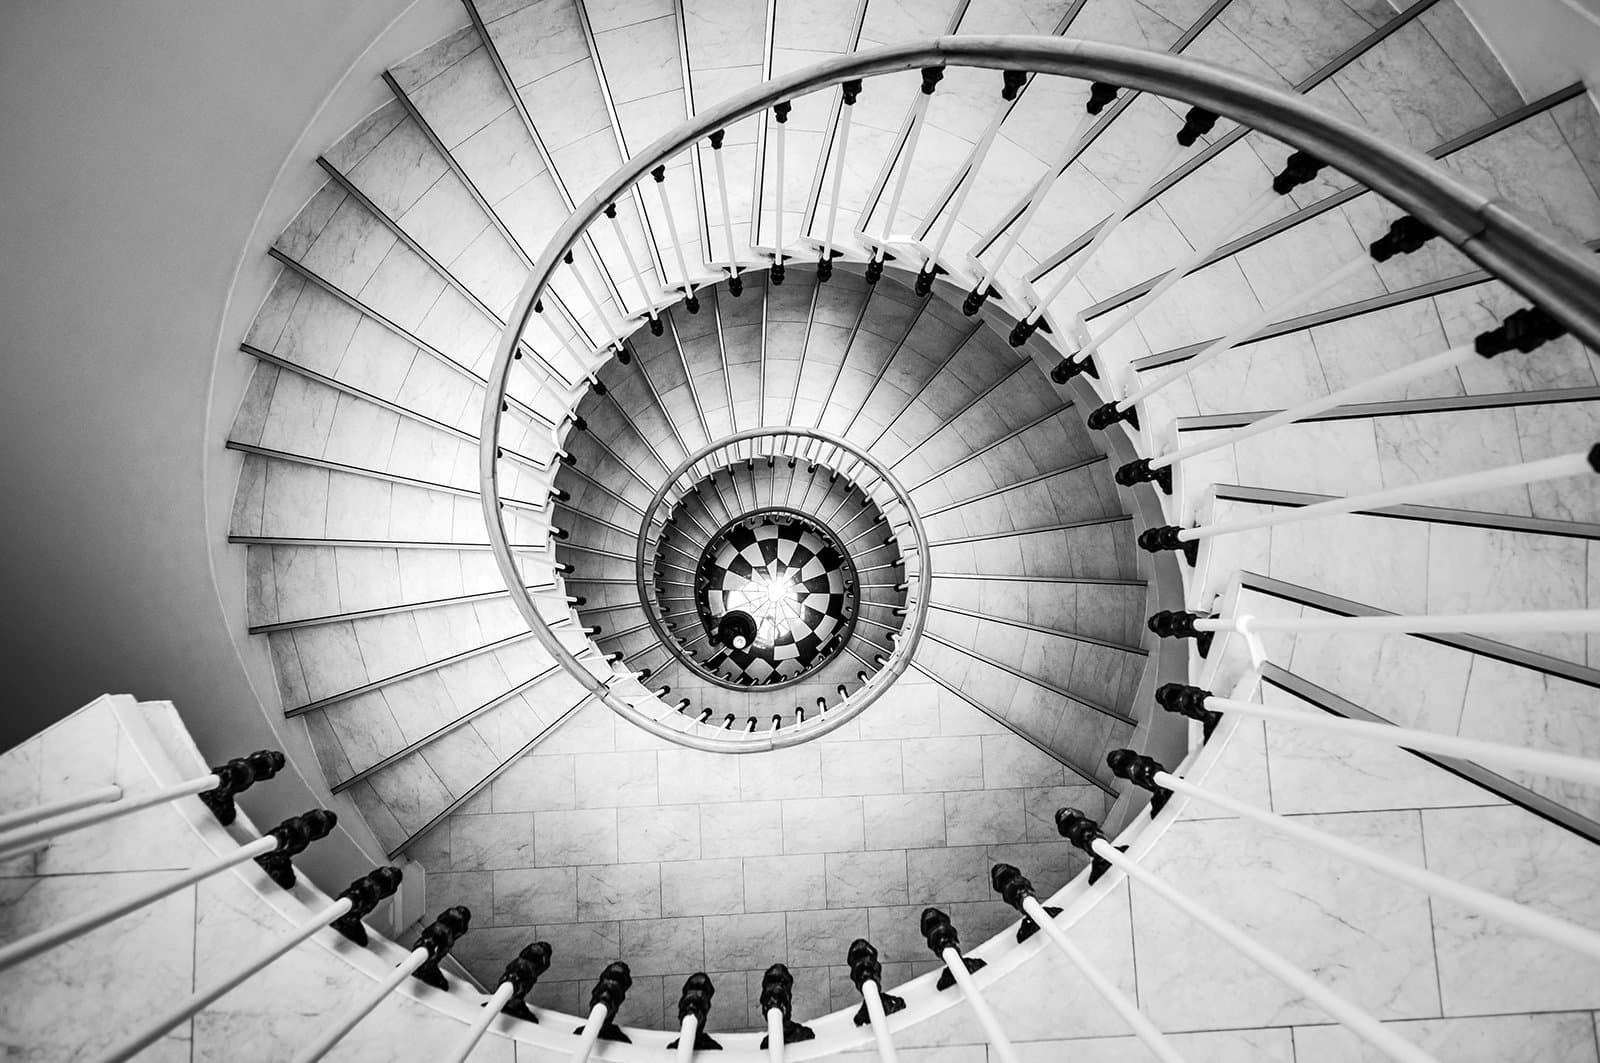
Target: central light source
x,y
775,595
772,597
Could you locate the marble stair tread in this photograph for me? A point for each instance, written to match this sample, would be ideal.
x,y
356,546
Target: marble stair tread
x,y
1417,565
1477,688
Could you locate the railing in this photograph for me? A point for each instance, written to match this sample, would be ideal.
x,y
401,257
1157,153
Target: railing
x,y
1559,278
860,472
961,981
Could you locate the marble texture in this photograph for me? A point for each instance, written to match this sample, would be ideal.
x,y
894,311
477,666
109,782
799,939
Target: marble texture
x,y
807,840
1364,938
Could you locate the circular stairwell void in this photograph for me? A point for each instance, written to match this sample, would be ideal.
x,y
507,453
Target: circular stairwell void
x,y
793,577
392,789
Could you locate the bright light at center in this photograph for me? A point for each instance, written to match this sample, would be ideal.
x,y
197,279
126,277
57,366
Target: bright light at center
x,y
777,591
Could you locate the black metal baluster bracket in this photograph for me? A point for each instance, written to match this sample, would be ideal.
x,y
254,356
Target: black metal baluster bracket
x,y
940,935
1141,771
364,894
1083,832
696,1000
1179,624
523,973
1190,701
294,835
438,938
777,991
611,989
1140,472
237,776
864,968
1013,887
1165,537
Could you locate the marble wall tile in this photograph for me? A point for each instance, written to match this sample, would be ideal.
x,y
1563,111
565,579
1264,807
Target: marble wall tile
x,y
583,836
946,875
688,775
620,891
937,764
475,889
1013,762
734,942
702,887
854,768
1040,804
784,883
904,820
984,817
581,950
866,878
821,938
525,896
662,946
665,832
749,828
831,824
616,779
499,840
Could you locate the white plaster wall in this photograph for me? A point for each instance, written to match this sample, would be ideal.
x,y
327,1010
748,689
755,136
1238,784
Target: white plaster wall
x,y
140,144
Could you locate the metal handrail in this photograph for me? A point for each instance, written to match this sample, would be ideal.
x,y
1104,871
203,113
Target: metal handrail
x,y
911,631
1557,277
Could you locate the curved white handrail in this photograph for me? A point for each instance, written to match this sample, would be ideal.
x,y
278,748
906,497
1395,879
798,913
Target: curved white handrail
x,y
904,648
1556,276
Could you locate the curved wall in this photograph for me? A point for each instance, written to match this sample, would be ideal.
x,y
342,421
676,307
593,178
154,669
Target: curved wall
x,y
138,144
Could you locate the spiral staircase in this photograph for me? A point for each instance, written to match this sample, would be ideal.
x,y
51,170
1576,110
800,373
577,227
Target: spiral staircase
x,y
758,328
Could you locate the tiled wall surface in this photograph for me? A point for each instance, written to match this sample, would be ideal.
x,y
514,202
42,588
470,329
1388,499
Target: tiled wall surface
x,y
611,845
1463,988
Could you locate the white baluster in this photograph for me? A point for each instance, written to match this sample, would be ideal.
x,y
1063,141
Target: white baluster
x,y
1142,1027
1529,472
363,1007
1359,1021
48,938
1556,931
1557,765
591,1031
155,1029
24,816
850,90
481,1022
880,1021
1377,384
1436,623
985,1015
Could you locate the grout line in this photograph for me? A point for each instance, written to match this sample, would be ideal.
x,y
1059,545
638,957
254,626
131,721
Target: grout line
x,y
1433,928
